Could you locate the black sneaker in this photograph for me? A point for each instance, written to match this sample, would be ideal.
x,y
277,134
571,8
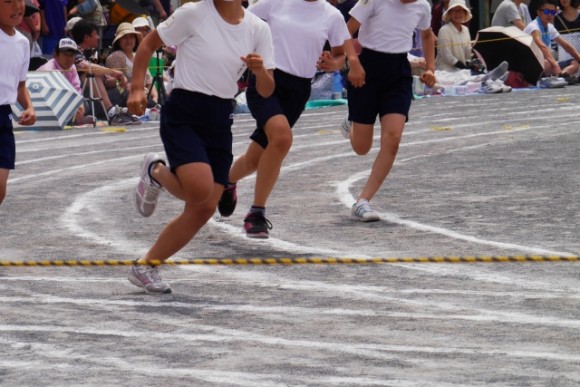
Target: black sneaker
x,y
228,201
256,225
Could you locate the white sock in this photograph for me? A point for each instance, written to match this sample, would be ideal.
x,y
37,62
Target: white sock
x,y
112,111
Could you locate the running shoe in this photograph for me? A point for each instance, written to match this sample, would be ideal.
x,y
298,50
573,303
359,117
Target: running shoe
x,y
362,211
345,128
228,201
148,189
257,226
148,278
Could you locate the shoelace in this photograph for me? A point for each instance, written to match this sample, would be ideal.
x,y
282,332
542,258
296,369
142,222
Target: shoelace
x,y
154,274
363,208
151,194
261,219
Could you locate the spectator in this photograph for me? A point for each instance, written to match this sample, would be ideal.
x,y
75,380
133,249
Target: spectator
x,y
124,47
63,61
544,33
86,36
567,23
511,13
53,21
30,25
70,24
454,42
142,25
437,15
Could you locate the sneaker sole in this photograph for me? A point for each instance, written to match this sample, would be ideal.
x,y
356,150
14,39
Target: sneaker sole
x,y
375,218
135,194
261,235
138,283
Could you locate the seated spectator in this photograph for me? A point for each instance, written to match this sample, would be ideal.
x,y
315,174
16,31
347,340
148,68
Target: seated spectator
x,y
544,33
142,25
63,61
454,41
86,36
70,24
437,12
511,13
92,11
121,58
567,23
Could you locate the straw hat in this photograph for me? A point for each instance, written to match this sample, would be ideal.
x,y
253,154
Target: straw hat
x,y
126,29
454,4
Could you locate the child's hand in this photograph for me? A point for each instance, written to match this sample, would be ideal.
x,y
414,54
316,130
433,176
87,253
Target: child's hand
x,y
254,62
326,62
137,102
356,74
28,117
428,78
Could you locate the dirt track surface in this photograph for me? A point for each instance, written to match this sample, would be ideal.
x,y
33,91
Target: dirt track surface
x,y
482,175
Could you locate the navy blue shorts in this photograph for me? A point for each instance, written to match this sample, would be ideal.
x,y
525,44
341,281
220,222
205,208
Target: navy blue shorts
x,y
387,87
198,128
289,98
7,143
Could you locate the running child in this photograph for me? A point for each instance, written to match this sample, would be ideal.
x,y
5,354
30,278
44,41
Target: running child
x,y
300,29
14,60
216,41
380,83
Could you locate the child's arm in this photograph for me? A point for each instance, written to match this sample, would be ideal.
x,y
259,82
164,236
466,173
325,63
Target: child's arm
x,y
427,37
137,100
264,79
28,116
356,73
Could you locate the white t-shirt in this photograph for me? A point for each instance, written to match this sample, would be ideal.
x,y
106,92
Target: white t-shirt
x,y
387,25
209,48
14,60
533,26
299,31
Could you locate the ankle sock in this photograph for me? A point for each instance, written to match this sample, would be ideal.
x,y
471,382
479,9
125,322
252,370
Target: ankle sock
x,y
258,210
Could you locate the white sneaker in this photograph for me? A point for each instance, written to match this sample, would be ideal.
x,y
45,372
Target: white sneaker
x,y
362,211
504,88
490,87
148,278
147,190
345,128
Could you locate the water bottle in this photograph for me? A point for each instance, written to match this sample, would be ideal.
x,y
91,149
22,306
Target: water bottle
x,y
336,85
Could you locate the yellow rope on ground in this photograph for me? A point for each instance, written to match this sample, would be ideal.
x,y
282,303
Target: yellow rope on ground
x,y
300,261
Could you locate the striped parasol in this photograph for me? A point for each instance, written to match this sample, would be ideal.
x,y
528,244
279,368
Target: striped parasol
x,y
54,99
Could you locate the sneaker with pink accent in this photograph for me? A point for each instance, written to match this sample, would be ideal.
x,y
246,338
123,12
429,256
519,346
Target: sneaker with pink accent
x,y
148,189
148,278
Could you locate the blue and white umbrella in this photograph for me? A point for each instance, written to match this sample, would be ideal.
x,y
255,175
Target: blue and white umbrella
x,y
54,99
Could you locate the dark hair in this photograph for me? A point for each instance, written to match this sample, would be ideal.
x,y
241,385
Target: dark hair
x,y
573,3
81,29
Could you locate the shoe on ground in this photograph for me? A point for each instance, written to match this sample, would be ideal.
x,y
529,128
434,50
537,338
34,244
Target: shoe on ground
x,y
122,119
257,226
363,212
491,87
345,128
552,82
147,190
569,78
228,201
504,88
148,278
497,72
